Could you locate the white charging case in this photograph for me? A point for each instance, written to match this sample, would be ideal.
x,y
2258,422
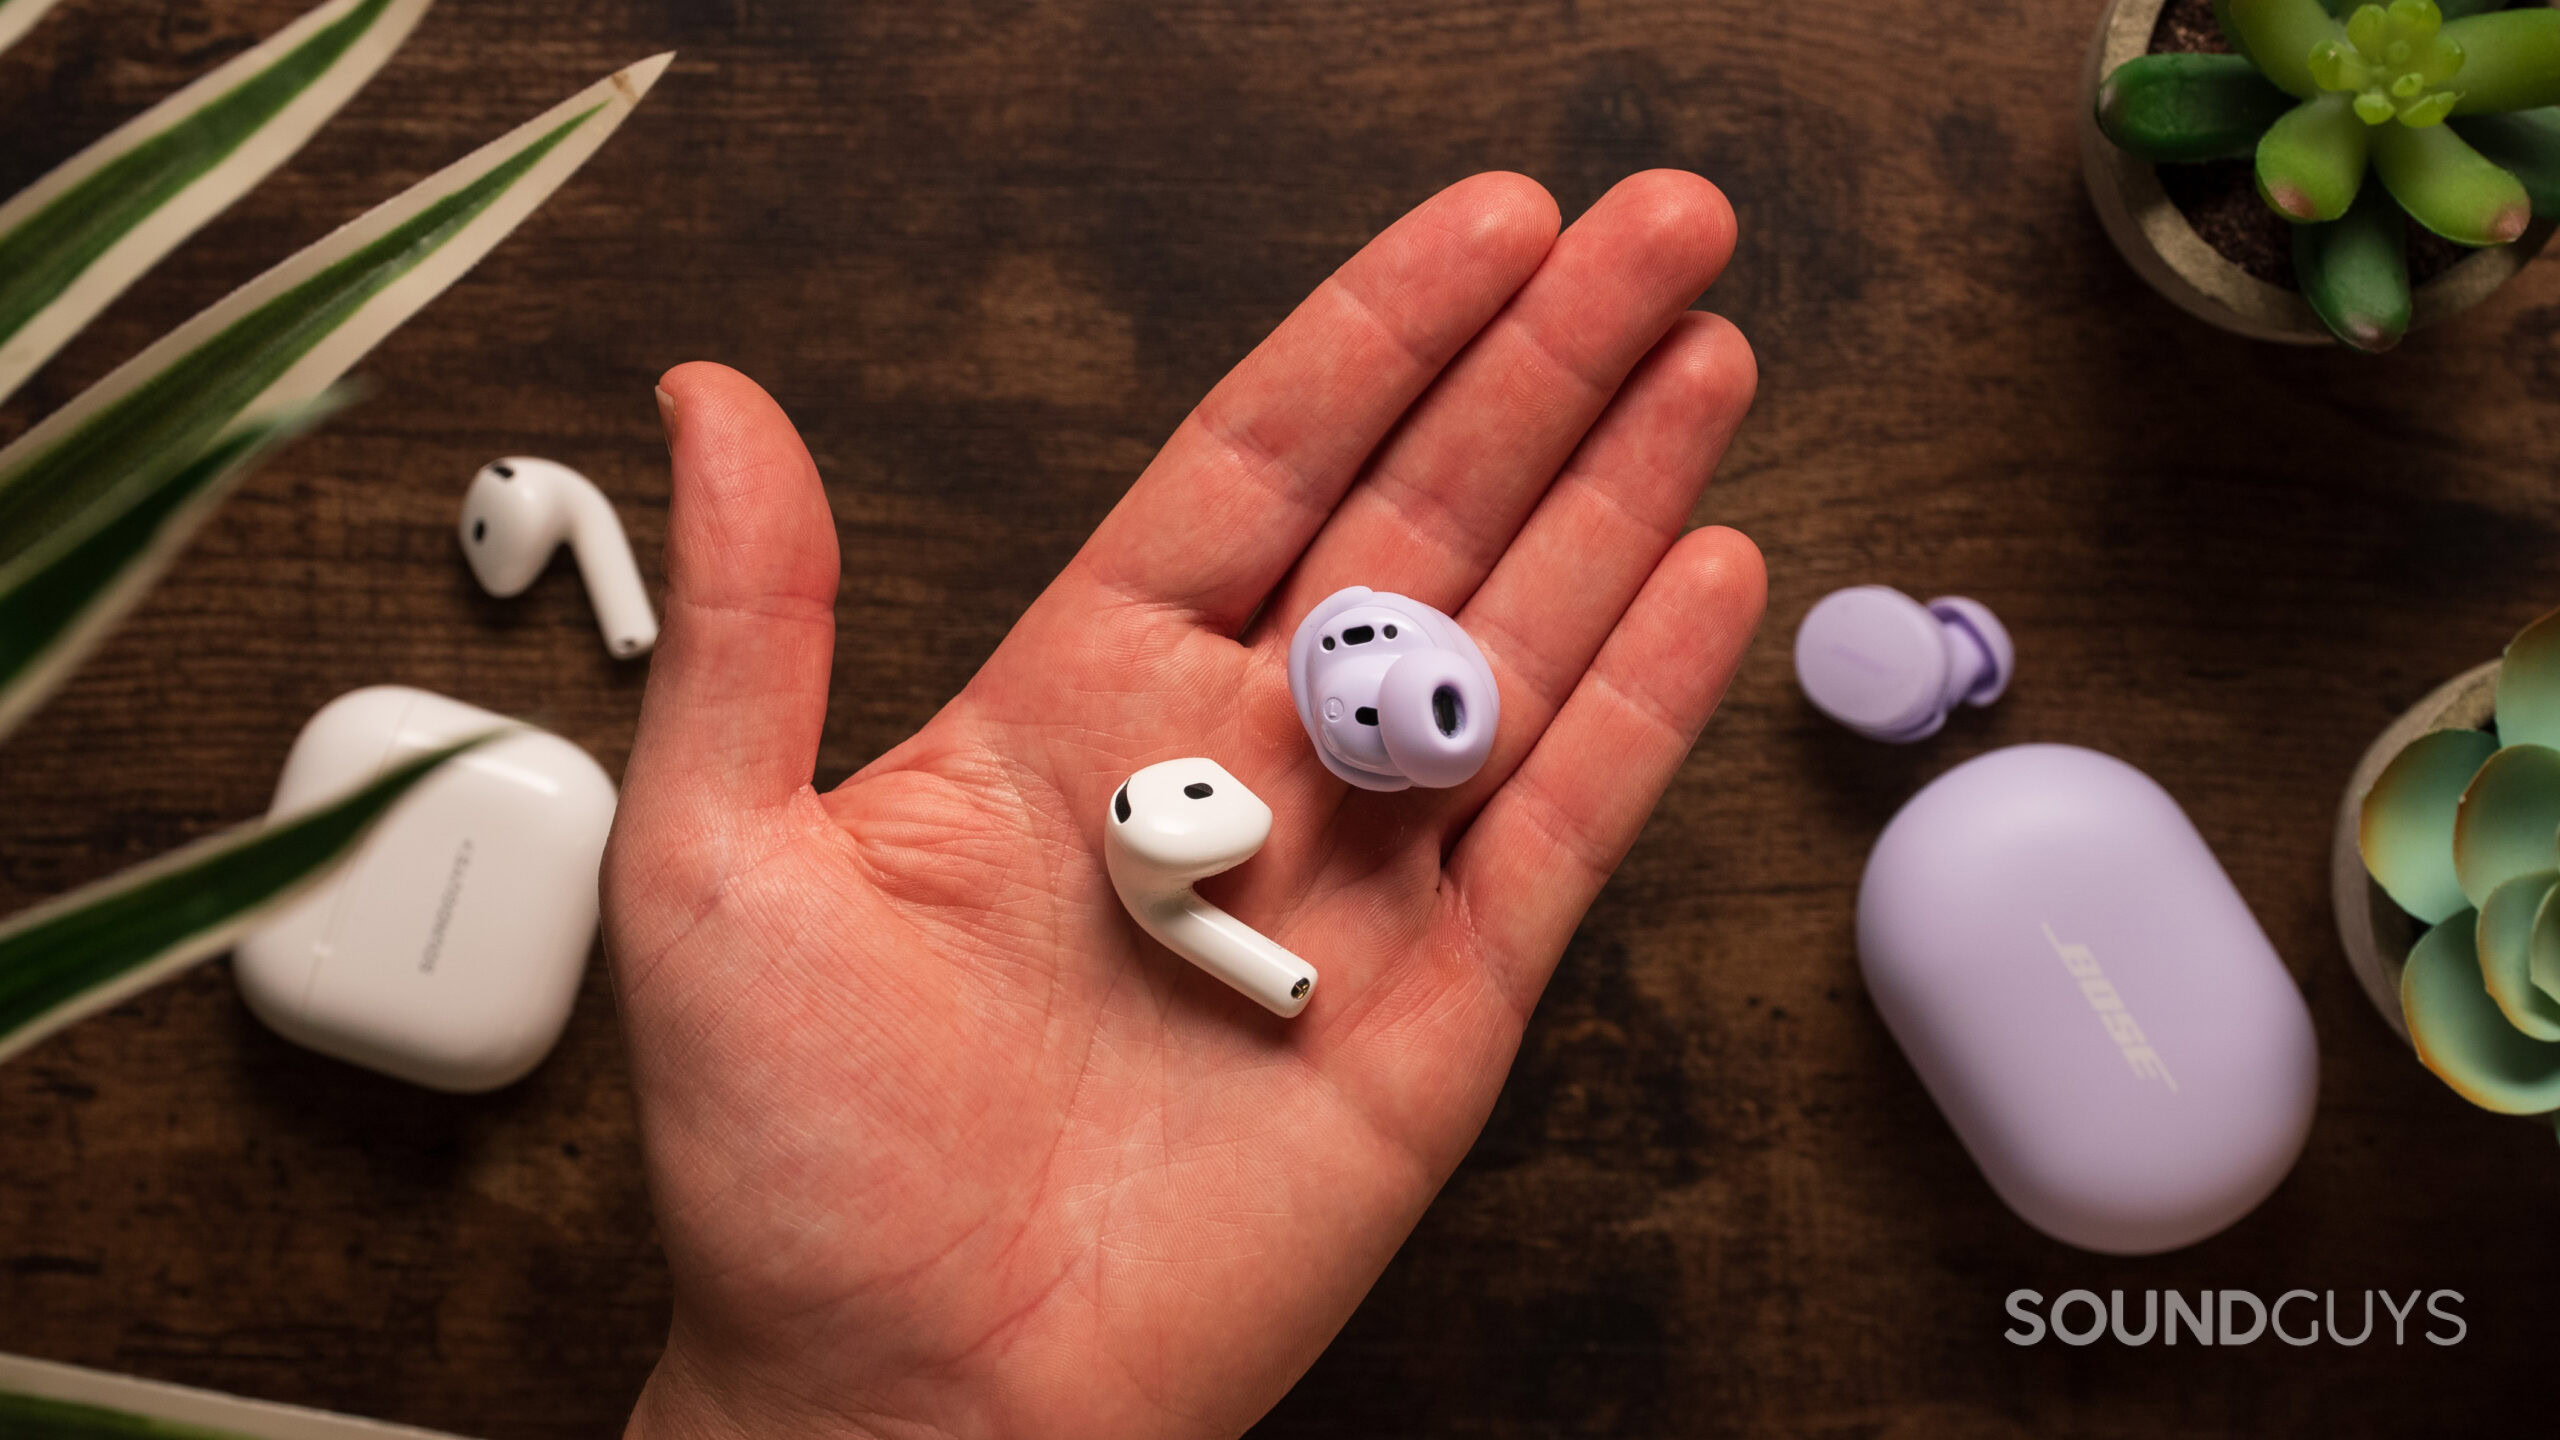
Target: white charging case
x,y
2088,999
447,950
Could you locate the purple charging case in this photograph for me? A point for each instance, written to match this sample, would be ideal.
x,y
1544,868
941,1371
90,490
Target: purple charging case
x,y
2087,998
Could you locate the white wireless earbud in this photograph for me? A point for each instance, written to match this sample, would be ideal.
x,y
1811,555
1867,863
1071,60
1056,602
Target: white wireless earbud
x,y
520,509
1178,823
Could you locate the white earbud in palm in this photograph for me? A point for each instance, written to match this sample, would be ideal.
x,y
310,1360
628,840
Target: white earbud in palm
x,y
521,509
1174,825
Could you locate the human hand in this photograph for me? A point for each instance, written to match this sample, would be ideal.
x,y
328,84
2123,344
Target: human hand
x,y
940,1143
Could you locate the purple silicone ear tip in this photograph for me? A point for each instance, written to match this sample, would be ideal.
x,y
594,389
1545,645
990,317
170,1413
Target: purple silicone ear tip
x,y
1890,668
1433,713
1392,692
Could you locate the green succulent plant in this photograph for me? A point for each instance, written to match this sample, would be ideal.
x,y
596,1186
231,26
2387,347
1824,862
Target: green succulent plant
x,y
2462,831
2453,105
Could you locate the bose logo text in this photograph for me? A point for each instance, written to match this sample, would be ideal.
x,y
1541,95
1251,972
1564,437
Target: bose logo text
x,y
2100,992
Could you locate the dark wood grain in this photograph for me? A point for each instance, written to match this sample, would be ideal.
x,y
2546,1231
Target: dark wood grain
x,y
988,253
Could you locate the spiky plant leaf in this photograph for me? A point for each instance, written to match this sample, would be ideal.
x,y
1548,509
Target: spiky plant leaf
x,y
58,600
32,1417
75,239
42,1400
270,348
82,952
19,16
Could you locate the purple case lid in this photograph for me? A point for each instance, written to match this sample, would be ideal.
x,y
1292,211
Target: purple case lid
x,y
2088,999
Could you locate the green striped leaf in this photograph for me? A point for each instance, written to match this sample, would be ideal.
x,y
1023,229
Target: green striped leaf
x,y
254,359
31,1417
58,600
75,239
42,1400
75,955
19,16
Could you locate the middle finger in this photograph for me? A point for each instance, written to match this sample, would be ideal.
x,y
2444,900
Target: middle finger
x,y
1453,484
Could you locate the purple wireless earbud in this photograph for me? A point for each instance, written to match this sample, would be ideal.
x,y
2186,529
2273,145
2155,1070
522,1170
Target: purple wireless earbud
x,y
1890,668
1392,691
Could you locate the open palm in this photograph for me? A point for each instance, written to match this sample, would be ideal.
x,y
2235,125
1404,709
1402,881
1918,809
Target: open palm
x,y
940,1142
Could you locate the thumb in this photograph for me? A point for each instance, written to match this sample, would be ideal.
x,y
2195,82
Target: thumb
x,y
738,687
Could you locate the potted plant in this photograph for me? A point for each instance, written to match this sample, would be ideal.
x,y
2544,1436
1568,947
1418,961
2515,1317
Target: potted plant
x,y
2298,170
98,497
2448,877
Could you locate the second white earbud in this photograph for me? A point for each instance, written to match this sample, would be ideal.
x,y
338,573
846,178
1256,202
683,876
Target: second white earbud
x,y
1173,825
521,509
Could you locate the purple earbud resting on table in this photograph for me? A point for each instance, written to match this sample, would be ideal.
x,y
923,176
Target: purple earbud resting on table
x,y
1891,668
1392,692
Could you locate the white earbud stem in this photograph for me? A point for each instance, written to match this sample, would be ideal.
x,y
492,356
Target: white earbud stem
x,y
520,509
1173,825
612,573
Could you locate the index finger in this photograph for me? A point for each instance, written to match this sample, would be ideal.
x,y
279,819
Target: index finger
x,y
1250,475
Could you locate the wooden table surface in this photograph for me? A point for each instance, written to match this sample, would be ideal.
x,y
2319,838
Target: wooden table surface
x,y
987,253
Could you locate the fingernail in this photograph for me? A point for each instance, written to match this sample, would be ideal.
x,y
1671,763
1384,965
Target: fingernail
x,y
667,417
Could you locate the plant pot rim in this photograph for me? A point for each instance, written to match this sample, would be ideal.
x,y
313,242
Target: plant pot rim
x,y
2164,248
2375,932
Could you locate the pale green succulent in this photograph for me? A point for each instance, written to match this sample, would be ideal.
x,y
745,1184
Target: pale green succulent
x,y
2462,830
